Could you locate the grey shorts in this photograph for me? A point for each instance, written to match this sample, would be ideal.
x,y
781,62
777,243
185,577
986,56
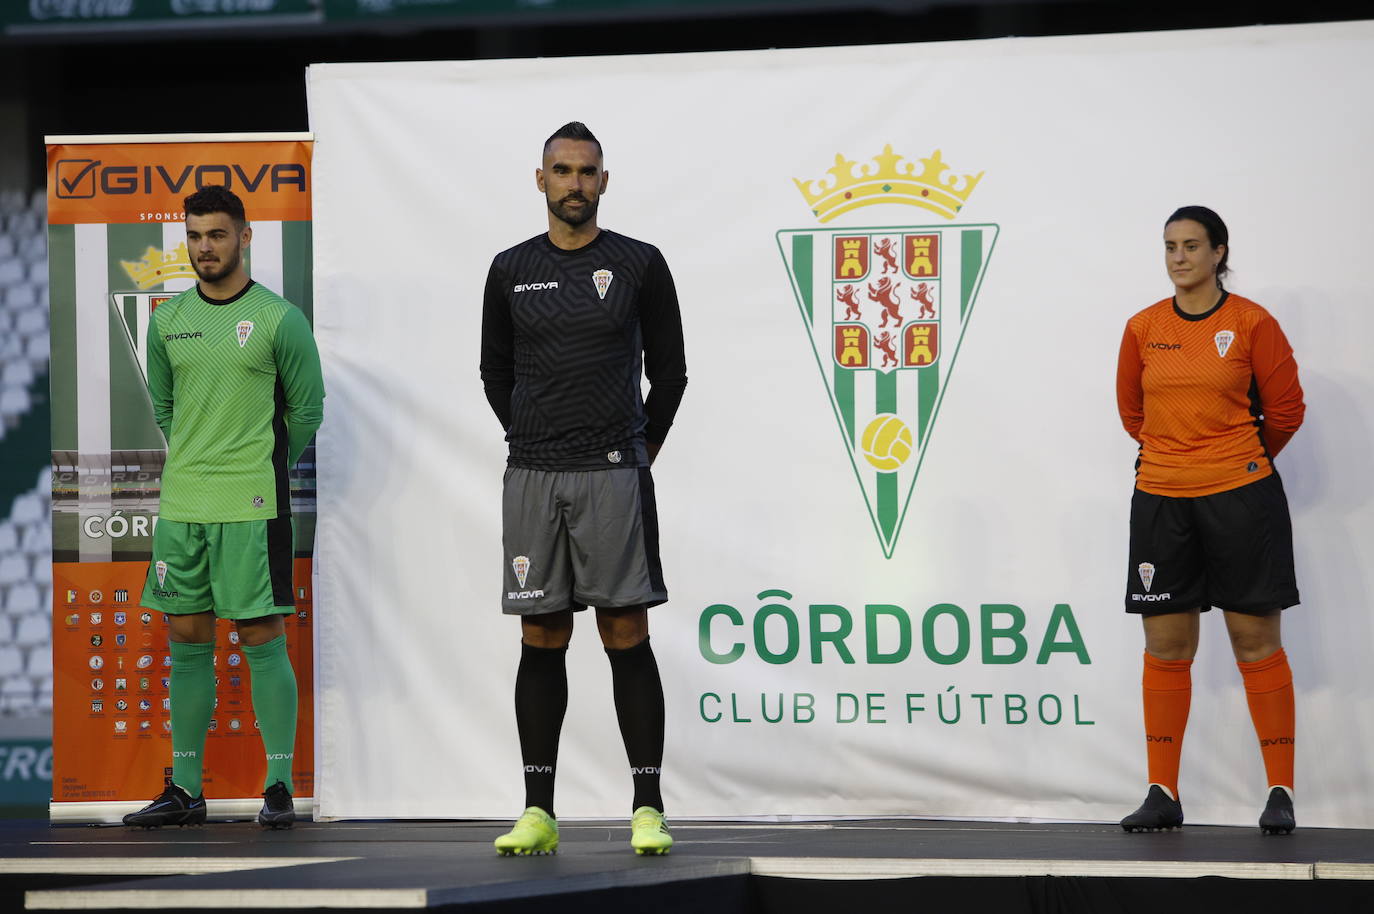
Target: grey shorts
x,y
579,538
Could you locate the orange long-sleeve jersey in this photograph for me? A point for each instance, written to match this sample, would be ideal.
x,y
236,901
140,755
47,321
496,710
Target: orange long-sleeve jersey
x,y
1211,397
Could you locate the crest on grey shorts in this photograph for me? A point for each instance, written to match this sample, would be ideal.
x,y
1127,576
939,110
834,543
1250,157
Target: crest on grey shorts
x,y
521,565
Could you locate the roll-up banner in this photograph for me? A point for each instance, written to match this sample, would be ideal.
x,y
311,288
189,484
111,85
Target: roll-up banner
x,y
117,249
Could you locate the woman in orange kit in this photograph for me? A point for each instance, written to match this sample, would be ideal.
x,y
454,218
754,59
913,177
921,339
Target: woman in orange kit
x,y
1207,385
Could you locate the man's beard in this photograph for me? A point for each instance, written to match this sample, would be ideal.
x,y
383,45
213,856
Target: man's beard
x,y
574,217
213,272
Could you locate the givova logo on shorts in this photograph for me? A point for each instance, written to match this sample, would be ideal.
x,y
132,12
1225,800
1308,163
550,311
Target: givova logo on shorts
x,y
885,309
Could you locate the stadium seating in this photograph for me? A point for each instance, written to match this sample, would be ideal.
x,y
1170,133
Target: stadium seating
x,y
26,525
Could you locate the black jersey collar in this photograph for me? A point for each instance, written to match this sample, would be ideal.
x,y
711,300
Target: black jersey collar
x,y
231,299
1204,315
548,244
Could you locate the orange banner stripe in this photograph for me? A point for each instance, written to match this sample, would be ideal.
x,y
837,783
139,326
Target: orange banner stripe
x,y
146,182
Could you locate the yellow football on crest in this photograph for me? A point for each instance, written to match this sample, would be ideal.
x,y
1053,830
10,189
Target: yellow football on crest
x,y
886,442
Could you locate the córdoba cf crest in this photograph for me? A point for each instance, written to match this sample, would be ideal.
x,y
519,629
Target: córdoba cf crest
x,y
885,309
521,566
1224,339
602,280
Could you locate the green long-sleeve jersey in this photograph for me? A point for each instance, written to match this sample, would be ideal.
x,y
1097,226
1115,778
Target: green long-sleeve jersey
x,y
237,390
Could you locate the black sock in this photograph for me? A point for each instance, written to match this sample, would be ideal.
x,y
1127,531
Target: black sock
x,y
639,708
541,698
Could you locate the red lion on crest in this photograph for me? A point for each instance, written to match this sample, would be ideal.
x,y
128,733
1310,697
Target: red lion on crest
x,y
885,343
885,294
849,297
922,294
888,253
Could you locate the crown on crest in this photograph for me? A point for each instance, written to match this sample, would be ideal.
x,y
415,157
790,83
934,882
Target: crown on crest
x,y
887,180
157,267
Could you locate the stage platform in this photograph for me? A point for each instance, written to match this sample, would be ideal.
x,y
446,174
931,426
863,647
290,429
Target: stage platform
x,y
715,867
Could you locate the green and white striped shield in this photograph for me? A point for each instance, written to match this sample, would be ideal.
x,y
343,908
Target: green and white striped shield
x,y
886,310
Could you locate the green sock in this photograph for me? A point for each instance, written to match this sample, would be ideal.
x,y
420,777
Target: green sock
x,y
274,702
193,701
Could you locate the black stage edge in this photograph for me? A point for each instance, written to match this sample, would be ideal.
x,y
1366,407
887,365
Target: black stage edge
x,y
720,868
1067,894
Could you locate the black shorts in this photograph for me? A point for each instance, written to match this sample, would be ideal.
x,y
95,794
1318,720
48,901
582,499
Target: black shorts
x,y
1233,550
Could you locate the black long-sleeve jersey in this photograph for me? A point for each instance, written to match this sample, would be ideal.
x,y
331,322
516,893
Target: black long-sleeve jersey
x,y
565,336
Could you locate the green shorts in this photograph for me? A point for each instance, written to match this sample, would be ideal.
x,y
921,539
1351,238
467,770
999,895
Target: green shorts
x,y
238,570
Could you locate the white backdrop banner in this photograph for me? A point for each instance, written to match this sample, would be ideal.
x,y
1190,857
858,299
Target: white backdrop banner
x,y
895,549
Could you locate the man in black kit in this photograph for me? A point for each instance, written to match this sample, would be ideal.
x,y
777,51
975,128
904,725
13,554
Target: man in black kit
x,y
568,320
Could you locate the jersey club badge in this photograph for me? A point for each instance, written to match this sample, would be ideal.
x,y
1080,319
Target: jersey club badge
x,y
885,309
602,279
245,330
1224,339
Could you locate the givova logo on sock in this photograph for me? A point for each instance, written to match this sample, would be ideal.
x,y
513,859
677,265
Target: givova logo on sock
x,y
521,566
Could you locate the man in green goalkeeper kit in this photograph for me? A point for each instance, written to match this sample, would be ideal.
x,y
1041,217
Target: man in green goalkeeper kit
x,y
235,382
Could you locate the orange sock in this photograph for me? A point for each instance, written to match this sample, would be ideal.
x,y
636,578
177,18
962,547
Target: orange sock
x,y
1269,691
1167,691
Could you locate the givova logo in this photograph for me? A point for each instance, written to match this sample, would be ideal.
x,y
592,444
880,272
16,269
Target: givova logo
x,y
80,179
885,309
